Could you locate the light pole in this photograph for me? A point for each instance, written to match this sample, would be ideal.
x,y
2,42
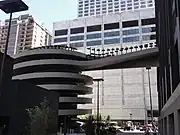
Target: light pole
x,y
150,94
130,116
9,7
98,80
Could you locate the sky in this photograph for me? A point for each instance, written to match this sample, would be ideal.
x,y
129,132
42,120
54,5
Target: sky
x,y
48,11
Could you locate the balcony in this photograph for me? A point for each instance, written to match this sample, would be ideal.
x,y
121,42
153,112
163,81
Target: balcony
x,y
30,26
27,47
29,33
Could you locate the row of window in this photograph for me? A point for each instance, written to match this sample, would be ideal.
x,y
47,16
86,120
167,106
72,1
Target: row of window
x,y
113,33
103,10
110,5
109,26
116,2
109,41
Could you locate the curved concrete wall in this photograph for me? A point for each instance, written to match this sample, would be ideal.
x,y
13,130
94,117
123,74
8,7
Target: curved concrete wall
x,y
69,84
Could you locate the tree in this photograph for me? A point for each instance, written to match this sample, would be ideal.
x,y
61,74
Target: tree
x,y
40,119
108,119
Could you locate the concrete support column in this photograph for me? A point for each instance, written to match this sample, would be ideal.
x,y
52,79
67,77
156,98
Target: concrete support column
x,y
165,126
176,123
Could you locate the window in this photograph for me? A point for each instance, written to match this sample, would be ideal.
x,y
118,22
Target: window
x,y
150,5
129,8
111,26
143,6
111,34
58,40
131,32
75,38
130,23
136,7
80,15
112,41
130,39
93,43
148,37
79,44
148,21
116,6
148,29
92,36
61,32
136,4
116,10
77,30
94,28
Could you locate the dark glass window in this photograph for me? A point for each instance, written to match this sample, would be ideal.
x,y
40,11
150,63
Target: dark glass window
x,y
111,26
59,40
94,28
93,43
131,32
130,39
130,24
148,29
75,38
112,41
148,21
77,30
61,32
92,36
111,34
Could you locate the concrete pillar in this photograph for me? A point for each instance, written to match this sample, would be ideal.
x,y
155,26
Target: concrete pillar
x,y
176,126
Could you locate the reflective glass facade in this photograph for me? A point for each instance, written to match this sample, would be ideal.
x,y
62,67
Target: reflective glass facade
x,y
130,39
93,36
112,41
112,34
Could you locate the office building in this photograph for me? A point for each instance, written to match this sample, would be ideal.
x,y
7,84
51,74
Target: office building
x,y
25,33
124,91
99,7
168,40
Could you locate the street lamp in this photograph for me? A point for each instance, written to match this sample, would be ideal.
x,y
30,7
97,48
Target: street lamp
x,y
150,94
98,80
9,6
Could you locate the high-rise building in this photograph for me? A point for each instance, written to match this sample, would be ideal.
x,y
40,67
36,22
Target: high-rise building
x,y
168,40
25,33
99,7
124,91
